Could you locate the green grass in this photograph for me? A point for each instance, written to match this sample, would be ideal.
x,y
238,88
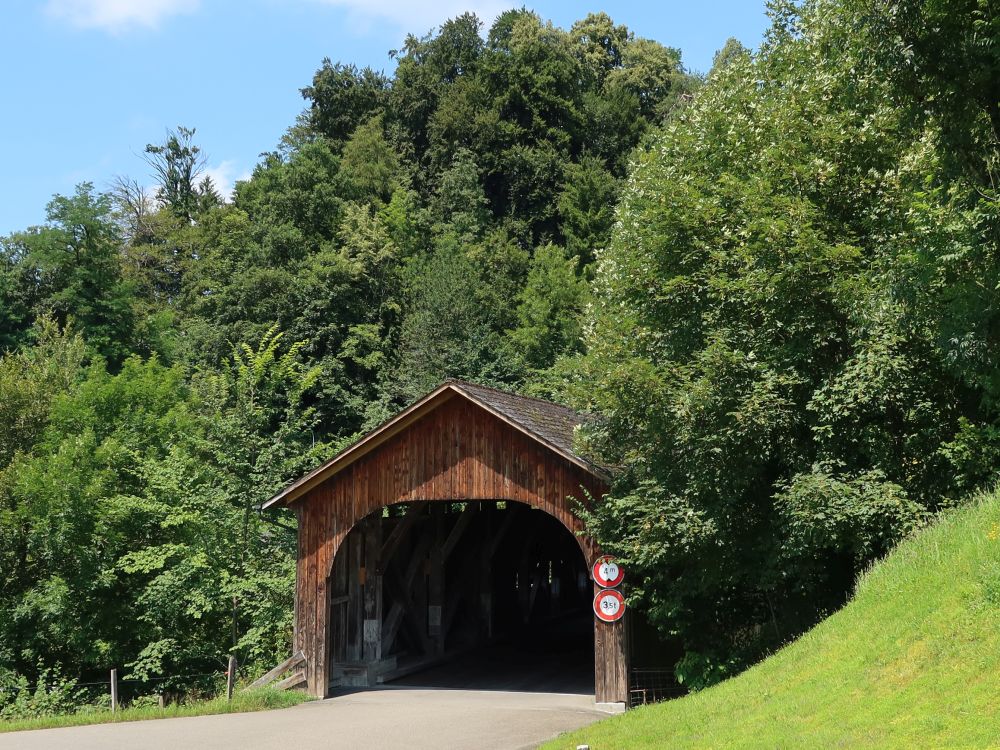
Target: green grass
x,y
913,661
256,700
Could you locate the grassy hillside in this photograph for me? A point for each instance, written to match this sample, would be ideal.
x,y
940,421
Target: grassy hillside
x,y
913,661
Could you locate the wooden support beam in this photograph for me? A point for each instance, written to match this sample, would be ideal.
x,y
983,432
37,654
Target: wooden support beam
x,y
610,659
459,588
397,612
509,515
398,533
296,678
355,603
372,592
409,611
435,581
390,626
458,530
293,661
485,583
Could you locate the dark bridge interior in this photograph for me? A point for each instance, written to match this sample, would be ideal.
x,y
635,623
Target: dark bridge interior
x,y
482,595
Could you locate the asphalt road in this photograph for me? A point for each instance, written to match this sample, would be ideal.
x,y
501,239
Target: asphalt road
x,y
404,718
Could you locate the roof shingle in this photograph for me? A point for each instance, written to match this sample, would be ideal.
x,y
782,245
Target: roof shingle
x,y
551,422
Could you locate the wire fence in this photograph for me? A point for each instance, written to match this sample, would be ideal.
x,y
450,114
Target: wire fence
x,y
652,686
132,680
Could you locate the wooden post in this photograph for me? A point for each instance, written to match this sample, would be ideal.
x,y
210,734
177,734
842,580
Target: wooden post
x,y
435,583
486,576
230,677
357,575
372,648
114,690
610,659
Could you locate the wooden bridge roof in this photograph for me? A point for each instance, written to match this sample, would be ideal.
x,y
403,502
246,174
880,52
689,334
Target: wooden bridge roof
x,y
548,423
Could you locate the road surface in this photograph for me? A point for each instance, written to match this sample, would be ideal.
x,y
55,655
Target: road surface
x,y
401,717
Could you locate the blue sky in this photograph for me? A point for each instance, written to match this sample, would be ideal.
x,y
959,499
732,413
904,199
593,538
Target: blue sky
x,y
86,84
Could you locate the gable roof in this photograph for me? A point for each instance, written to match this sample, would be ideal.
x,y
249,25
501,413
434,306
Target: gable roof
x,y
548,423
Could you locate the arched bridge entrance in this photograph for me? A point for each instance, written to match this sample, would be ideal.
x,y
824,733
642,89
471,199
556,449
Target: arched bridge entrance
x,y
450,528
497,589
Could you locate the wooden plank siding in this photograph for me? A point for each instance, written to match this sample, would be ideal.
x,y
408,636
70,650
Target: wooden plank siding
x,y
458,451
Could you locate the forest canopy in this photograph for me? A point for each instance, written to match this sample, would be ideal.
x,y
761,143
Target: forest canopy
x,y
171,358
774,288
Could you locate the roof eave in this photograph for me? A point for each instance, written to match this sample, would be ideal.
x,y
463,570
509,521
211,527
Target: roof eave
x,y
366,443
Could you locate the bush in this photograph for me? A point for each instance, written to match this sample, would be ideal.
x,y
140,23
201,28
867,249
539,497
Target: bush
x,y
52,695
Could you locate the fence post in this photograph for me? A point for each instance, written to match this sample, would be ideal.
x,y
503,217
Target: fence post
x,y
230,677
114,690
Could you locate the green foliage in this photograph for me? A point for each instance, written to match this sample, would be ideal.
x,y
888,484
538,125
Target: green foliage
x,y
447,332
549,310
52,695
369,167
586,207
529,102
792,367
127,514
70,268
342,97
30,380
732,51
460,204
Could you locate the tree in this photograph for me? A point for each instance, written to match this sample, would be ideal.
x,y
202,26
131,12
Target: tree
x,y
599,44
128,511
767,343
460,203
342,97
550,309
446,333
134,209
731,51
71,268
586,209
369,167
177,164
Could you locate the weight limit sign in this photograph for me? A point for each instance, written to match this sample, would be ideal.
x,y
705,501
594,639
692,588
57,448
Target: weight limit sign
x,y
609,605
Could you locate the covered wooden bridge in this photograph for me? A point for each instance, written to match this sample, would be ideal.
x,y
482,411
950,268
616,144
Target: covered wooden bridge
x,y
450,526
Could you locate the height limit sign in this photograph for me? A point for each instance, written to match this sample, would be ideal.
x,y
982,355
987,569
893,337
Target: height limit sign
x,y
609,604
607,574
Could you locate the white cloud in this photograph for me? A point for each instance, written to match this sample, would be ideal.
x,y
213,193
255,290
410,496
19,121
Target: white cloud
x,y
224,176
419,17
117,16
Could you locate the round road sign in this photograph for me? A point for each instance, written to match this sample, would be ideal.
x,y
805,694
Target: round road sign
x,y
607,573
609,605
